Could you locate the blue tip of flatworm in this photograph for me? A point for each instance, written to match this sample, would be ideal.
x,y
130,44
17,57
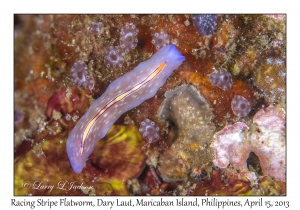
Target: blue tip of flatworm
x,y
177,54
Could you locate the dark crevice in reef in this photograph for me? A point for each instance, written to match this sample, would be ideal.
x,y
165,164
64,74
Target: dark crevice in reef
x,y
253,163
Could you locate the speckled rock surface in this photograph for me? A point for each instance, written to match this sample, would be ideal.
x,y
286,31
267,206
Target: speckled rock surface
x,y
191,115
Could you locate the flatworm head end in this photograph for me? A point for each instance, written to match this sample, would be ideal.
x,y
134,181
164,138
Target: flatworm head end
x,y
175,53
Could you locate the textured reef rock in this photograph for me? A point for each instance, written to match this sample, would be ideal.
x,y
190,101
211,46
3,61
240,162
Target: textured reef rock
x,y
266,138
264,59
270,77
229,145
224,182
190,114
66,106
118,155
272,119
251,47
116,159
269,141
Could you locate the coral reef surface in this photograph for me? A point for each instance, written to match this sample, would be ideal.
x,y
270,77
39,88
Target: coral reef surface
x,y
190,114
226,55
266,138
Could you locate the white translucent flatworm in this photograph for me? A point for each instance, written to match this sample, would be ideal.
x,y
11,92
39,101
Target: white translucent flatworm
x,y
123,94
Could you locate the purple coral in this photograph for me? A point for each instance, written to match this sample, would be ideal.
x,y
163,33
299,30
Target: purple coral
x,y
221,79
81,76
240,106
114,57
160,40
149,130
205,24
128,38
96,27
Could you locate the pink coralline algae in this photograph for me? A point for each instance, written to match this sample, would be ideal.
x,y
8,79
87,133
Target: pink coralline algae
x,y
272,119
222,79
149,130
266,138
229,145
160,40
269,141
240,106
81,76
276,16
114,57
96,27
128,37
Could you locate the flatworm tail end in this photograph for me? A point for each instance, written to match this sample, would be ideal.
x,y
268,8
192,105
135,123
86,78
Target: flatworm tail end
x,y
73,146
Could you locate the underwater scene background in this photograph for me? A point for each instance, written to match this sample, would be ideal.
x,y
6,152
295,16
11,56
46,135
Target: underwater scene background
x,y
216,126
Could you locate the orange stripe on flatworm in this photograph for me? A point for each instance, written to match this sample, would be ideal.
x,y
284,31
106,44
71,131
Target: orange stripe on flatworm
x,y
115,100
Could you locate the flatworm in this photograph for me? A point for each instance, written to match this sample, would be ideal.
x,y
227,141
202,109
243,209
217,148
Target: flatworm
x,y
123,94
